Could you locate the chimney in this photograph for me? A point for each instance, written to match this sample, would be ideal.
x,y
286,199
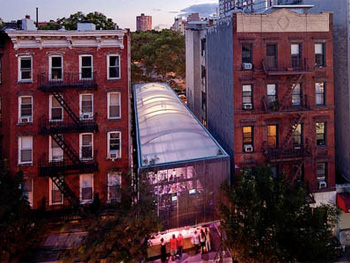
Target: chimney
x,y
27,16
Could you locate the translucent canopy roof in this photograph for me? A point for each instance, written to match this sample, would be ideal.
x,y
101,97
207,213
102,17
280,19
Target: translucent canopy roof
x,y
167,132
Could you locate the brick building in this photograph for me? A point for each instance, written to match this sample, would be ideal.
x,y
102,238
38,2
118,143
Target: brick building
x,y
65,112
281,107
143,23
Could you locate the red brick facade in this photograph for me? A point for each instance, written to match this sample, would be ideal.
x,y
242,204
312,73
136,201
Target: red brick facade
x,y
68,46
300,161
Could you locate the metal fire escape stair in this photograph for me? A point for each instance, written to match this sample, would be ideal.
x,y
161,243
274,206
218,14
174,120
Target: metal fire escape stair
x,y
66,191
67,150
66,107
289,92
294,125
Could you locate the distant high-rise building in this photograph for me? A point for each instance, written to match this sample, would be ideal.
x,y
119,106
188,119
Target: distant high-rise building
x,y
143,23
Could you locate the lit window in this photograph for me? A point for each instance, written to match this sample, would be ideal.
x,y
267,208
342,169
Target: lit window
x,y
56,110
114,185
272,135
114,146
86,146
86,188
28,190
113,102
56,68
248,139
320,133
320,55
113,67
86,106
25,69
86,67
56,196
25,149
320,93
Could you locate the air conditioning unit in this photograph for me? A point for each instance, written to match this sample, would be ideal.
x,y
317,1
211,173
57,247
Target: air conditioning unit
x,y
247,65
57,158
322,184
114,155
247,106
87,116
26,119
248,148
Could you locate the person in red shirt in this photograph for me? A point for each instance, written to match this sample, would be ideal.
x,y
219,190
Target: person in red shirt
x,y
173,247
180,244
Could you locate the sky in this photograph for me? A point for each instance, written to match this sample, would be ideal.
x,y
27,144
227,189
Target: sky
x,y
123,12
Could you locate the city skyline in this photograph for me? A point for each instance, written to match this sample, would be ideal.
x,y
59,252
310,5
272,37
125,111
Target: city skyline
x,y
123,12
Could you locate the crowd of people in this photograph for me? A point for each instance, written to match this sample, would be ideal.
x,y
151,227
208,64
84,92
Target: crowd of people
x,y
200,239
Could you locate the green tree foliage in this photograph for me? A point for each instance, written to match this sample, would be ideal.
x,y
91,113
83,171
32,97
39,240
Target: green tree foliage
x,y
124,236
99,19
18,228
1,23
50,26
157,53
266,219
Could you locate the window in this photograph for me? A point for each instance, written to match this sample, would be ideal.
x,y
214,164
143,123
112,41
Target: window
x,y
56,68
272,136
247,97
247,53
55,152
274,171
295,50
113,67
86,146
113,102
320,93
271,56
25,69
86,106
271,95
321,173
56,110
25,109
203,46
320,133
114,185
248,139
86,188
204,101
86,67
56,196
320,55
25,149
28,190
297,136
114,145
296,95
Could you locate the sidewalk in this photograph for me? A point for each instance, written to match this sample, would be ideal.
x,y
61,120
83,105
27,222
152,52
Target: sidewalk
x,y
192,257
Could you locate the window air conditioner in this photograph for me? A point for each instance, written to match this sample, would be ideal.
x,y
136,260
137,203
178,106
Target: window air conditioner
x,y
87,116
247,106
247,65
248,148
26,119
322,184
114,155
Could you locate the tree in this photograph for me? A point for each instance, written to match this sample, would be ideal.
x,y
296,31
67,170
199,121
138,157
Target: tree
x,y
123,237
1,23
99,19
18,226
267,219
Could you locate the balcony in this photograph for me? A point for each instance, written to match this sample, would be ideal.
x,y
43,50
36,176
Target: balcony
x,y
47,126
294,67
47,82
66,166
279,155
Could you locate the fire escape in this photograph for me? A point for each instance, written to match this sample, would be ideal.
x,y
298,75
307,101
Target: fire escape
x,y
288,151
71,163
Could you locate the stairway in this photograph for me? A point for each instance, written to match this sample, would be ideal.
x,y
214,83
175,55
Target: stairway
x,y
66,107
66,191
294,125
289,92
67,150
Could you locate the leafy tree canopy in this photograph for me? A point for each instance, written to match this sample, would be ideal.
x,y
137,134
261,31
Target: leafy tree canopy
x,y
267,219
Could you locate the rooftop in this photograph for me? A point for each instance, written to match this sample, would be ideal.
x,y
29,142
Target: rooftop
x,y
167,132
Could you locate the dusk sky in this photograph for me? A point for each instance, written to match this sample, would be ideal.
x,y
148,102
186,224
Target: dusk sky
x,y
123,12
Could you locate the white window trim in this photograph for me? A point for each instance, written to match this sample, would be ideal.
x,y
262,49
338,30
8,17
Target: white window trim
x,y
81,144
19,69
19,109
50,67
81,192
20,148
81,64
50,194
51,98
50,151
120,72
81,104
108,104
108,192
108,143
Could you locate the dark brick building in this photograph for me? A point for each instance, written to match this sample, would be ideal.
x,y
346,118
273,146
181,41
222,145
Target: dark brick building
x,y
65,112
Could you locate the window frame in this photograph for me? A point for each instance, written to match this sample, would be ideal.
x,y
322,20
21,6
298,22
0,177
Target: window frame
x,y
20,79
29,194
272,136
51,99
50,68
296,59
244,96
51,142
275,62
86,201
271,103
81,114
81,146
108,67
323,47
20,116
300,95
320,133
320,93
52,185
295,135
324,176
119,174
108,105
81,67
109,144
251,142
20,162
244,60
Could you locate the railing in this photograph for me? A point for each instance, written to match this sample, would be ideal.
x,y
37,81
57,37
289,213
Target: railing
x,y
276,105
294,66
49,126
46,81
283,154
66,166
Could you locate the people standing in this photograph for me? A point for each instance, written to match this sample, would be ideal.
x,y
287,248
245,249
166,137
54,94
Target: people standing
x,y
173,247
202,241
195,241
207,240
180,244
163,250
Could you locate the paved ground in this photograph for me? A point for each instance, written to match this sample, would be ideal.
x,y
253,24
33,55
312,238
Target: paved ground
x,y
192,257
